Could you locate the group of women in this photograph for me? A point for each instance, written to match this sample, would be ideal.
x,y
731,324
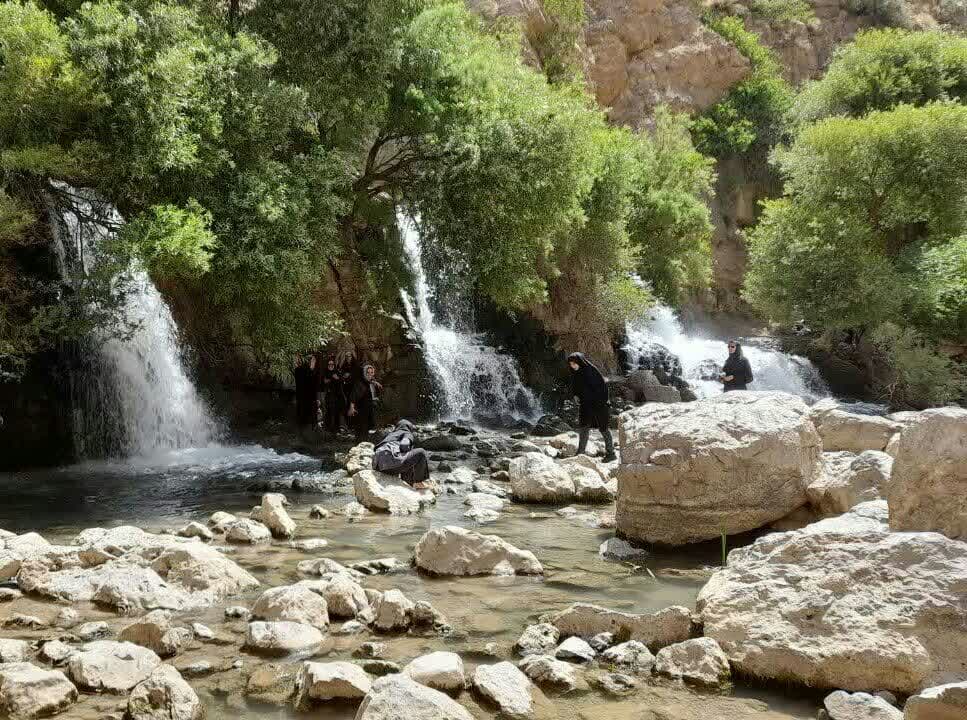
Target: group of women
x,y
350,395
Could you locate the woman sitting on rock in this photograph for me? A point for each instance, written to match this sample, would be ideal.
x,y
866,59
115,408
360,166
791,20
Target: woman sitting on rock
x,y
588,384
396,455
737,372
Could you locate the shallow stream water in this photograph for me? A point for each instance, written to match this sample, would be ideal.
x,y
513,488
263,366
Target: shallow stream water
x,y
487,614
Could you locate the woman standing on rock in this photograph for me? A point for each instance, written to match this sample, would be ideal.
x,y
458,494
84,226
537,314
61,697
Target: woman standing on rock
x,y
737,372
363,401
587,383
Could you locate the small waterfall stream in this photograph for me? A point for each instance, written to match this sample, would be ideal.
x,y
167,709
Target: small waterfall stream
x,y
132,395
474,379
701,358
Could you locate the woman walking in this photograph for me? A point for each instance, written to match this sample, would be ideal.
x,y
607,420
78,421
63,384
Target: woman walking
x,y
588,384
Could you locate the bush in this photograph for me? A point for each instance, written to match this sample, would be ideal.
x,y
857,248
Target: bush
x,y
916,376
939,282
783,11
885,12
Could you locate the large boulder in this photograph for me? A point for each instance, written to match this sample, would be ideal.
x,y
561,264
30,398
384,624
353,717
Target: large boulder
x,y
274,516
843,604
848,479
113,667
452,550
942,702
164,695
295,603
843,428
28,692
728,464
656,630
928,488
392,499
534,477
396,696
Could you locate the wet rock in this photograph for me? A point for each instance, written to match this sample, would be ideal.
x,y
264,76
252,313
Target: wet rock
x,y
615,684
344,596
427,616
534,477
14,651
618,549
20,620
247,531
202,668
275,517
66,618
842,429
220,520
842,705
379,566
354,510
113,667
282,638
482,515
438,670
318,512
483,501
461,476
730,463
452,550
633,655
294,603
196,529
397,696
877,630
272,683
370,650
700,661
28,692
656,630
485,486
507,688
9,594
544,670
380,668
574,649
204,571
538,639
393,611
92,631
942,702
928,488
440,443
353,627
164,695
308,544
549,426
319,682
847,480
359,458
55,652
237,612
392,499
602,641
154,631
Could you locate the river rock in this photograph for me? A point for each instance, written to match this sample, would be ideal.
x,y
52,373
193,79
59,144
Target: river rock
x,y
700,661
615,684
461,476
656,630
928,488
28,692
632,655
220,520
484,501
482,515
14,651
164,695
394,611
438,670
360,457
843,604
538,639
534,477
196,529
247,531
730,463
574,649
275,517
452,550
94,630
942,702
206,572
114,667
396,697
842,705
320,681
848,479
344,596
55,652
318,512
295,603
550,425
843,429
392,499
282,637
548,671
490,488
507,687
154,631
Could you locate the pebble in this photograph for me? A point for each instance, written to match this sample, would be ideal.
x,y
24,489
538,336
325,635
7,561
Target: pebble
x,y
616,683
202,632
92,631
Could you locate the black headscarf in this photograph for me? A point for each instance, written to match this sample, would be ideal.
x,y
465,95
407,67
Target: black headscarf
x,y
588,382
737,365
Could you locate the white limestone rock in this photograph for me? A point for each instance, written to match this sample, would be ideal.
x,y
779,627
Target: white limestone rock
x,y
534,477
842,705
438,670
247,532
155,632
632,655
282,637
295,603
164,695
452,550
113,667
14,651
392,499
196,529
847,480
397,697
28,692
547,671
844,429
507,688
656,630
574,649
700,661
394,611
539,639
941,702
322,681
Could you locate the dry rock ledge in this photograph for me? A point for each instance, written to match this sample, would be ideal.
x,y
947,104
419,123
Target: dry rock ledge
x,y
731,463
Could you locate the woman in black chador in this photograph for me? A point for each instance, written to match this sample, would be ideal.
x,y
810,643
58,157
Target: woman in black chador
x,y
588,384
363,401
736,373
396,455
306,403
334,387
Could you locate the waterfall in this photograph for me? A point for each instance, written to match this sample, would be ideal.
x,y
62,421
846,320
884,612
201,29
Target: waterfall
x,y
475,381
132,395
702,357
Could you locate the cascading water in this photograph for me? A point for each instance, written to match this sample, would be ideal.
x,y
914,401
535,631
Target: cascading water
x,y
701,358
475,381
132,396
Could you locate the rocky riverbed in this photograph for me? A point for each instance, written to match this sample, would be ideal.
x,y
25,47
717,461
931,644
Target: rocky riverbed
x,y
505,592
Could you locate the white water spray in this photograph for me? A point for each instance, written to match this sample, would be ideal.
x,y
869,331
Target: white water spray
x,y
132,396
701,358
476,381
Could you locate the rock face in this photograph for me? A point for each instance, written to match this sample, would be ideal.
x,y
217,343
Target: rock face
x,y
113,667
928,488
847,480
164,695
943,702
454,550
732,463
656,630
534,477
700,661
396,696
843,429
843,604
28,692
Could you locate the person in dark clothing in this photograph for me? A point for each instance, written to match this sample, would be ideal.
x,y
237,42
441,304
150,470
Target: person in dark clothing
x,y
335,400
396,455
736,372
588,384
306,402
363,402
